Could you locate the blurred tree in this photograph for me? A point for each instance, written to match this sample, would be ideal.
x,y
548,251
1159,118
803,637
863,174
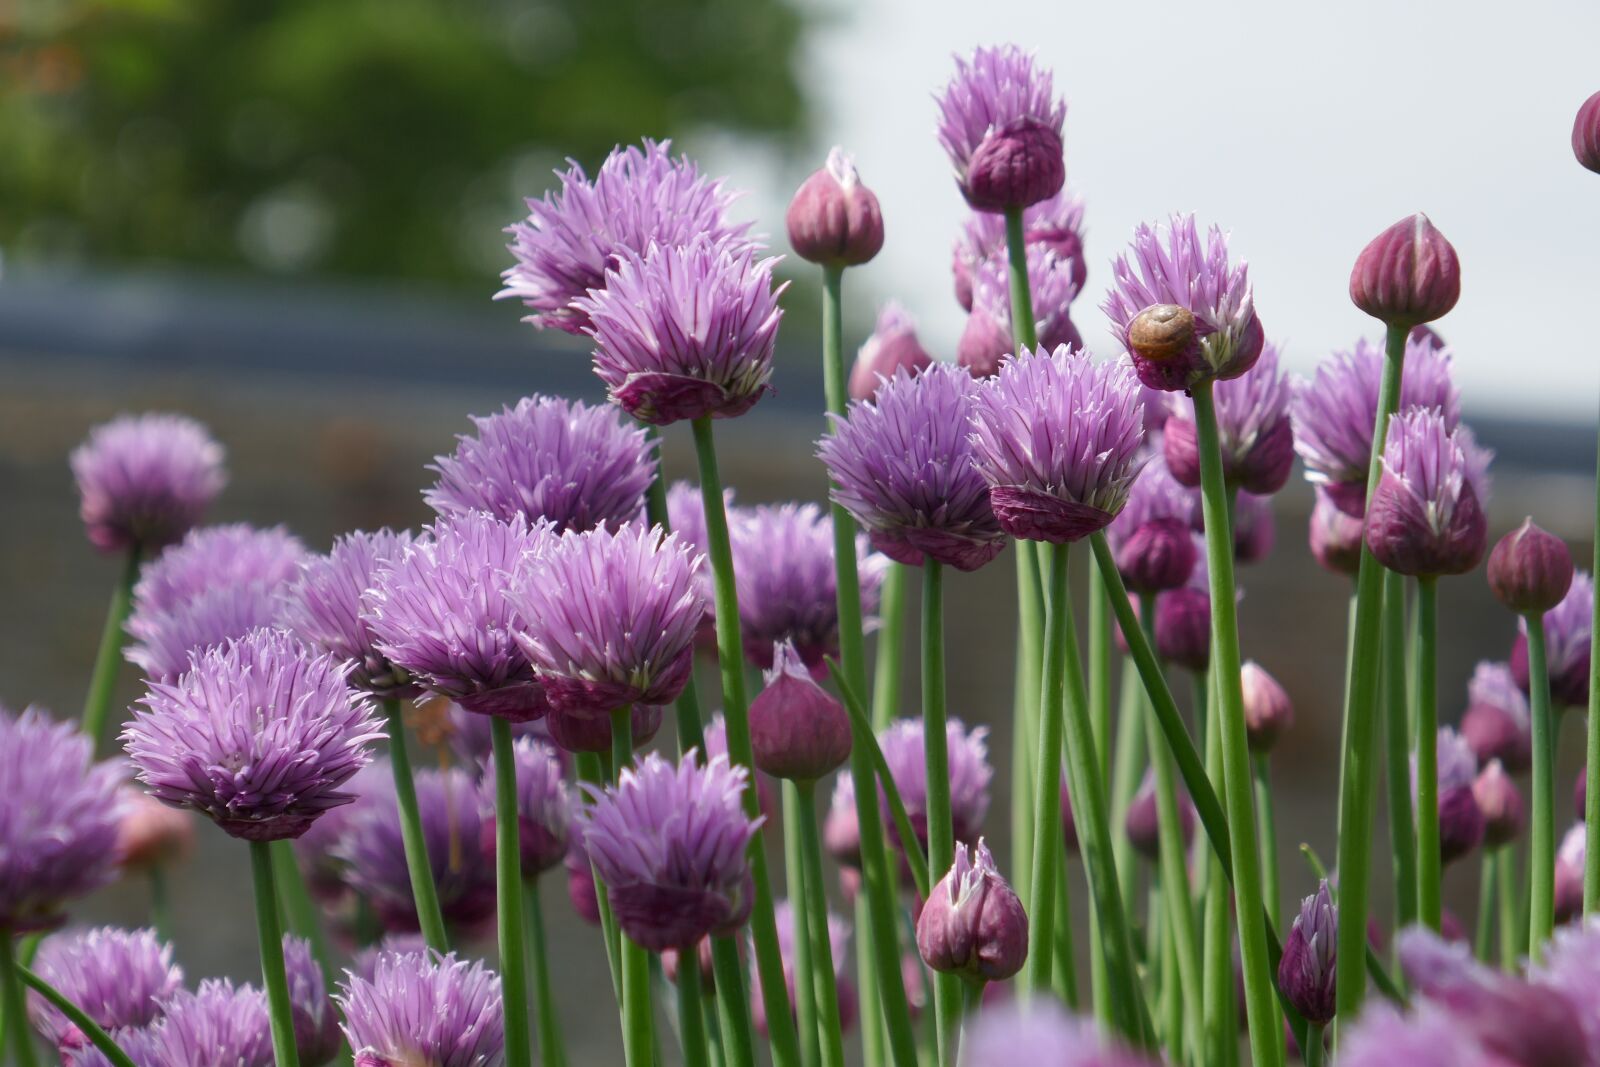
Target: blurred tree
x,y
376,138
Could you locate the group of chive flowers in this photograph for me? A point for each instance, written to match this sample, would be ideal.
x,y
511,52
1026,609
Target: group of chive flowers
x,y
408,731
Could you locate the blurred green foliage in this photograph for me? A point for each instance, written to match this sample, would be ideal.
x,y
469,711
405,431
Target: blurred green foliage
x,y
371,138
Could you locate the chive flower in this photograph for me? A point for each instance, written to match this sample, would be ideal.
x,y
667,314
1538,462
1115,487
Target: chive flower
x,y
1055,223
1426,516
424,1008
970,776
117,977
1000,123
145,480
543,806
892,345
1253,427
1566,635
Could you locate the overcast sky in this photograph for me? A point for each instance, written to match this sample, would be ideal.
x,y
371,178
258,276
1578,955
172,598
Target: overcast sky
x,y
1304,130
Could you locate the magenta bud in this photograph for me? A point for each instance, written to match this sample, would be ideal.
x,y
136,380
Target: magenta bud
x,y
1143,822
1335,536
1407,275
1426,515
1268,711
1262,469
833,219
588,733
797,729
841,830
1461,823
1254,528
1586,134
1158,556
580,883
973,923
893,346
1016,166
1183,628
1500,803
1530,570
1569,874
1069,824
1306,973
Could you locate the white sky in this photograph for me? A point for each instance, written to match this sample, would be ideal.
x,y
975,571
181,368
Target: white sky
x,y
1303,129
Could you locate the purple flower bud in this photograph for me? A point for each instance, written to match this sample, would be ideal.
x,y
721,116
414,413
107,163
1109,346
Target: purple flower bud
x,y
316,1023
1426,516
542,806
1143,822
1310,952
1407,275
973,923
1461,823
1000,122
117,977
1530,570
838,942
145,480
1335,536
1586,134
1055,223
423,1008
893,345
833,219
1500,803
1268,711
970,775
841,827
798,730
592,733
988,339
1569,874
1566,635
1253,425
1496,723
1183,627
1150,538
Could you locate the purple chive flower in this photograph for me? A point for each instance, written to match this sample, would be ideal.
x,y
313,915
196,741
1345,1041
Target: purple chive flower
x,y
145,480
784,567
323,608
970,774
217,1023
574,235
902,466
609,619
423,1008
316,1022
1586,134
1497,723
374,856
1566,635
1253,425
1183,618
841,827
1171,265
1000,123
1268,711
798,730
838,942
1428,1037
440,612
364,964
1569,874
1501,804
1057,437
572,465
1530,570
259,734
1151,537
580,881
1461,820
893,345
592,733
1055,223
117,977
1407,275
1040,1031
215,556
973,923
1335,535
1335,410
686,331
1571,971
1143,821
1426,516
833,219
543,805
163,641
140,1044
316,850
987,341
1306,972
669,843
59,815
469,734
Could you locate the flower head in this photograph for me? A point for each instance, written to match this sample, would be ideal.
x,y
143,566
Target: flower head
x,y
317,850
1428,1037
1255,529
1571,971
1253,427
987,341
1586,134
560,461
893,345
592,733
217,1023
686,331
783,914
1306,972
1426,516
543,804
117,977
259,734
798,729
1151,537
834,219
1058,440
424,1008
1268,712
1497,724
1501,804
1407,275
669,843
1566,636
214,556
970,774
316,1023
163,641
145,480
150,834
973,923
1000,123
1335,535
1530,570
1055,223
574,235
1569,874
902,466
1143,821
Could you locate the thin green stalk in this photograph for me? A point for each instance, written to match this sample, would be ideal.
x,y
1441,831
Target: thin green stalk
x,y
1591,800
87,1026
711,1029
941,829
1217,1011
873,1050
508,892
270,941
691,1016
886,678
103,682
1429,905
1483,931
1022,323
1127,770
1357,787
301,911
1397,750
1100,652
13,1007
1046,776
795,811
160,903
1542,824
1262,774
816,904
1266,1033
638,1035
1314,1052
733,1004
592,771
423,891
1064,972
1511,925
552,1050
686,708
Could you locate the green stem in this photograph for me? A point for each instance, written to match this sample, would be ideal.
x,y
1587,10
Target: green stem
x,y
1217,1011
686,708
1262,774
1128,762
160,903
1260,1008
1397,750
103,682
1591,799
508,891
638,1038
1046,779
270,941
13,1008
941,829
552,1051
423,891
295,899
862,738
1356,783
823,986
1100,649
1022,324
591,770
886,678
1483,932
795,811
733,1004
1429,906
1064,972
873,1052
691,1015
1313,1052
89,1028
1511,925
1541,826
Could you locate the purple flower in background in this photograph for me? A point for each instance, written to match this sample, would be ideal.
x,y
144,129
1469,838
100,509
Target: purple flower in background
x,y
1457,764
163,641
453,824
423,1008
1268,711
215,556
59,815
1461,820
1039,1031
1335,410
841,827
1497,723
150,834
685,332
1306,972
440,612
1057,437
987,341
219,1023
364,964
117,977
892,345
970,774
574,235
326,873
1566,635
469,734
145,480
1253,426
609,619
1000,123
1151,536
1426,516
260,735
1143,822
316,1023
669,843
140,1044
1335,535
1571,971
592,733
838,942
1501,804
1171,265
902,466
562,461
1055,223
542,806
323,608
834,219
1255,530
973,923
1569,874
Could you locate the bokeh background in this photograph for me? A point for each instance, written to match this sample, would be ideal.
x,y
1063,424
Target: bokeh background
x,y
286,220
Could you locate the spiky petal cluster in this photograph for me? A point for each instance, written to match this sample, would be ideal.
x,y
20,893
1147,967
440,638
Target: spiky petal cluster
x,y
316,1022
893,345
970,774
1000,123
1566,635
440,612
902,466
117,977
1571,970
59,814
144,480
1426,516
216,1024
1151,537
1335,410
1306,972
609,619
686,331
1497,723
1039,1031
259,734
323,608
564,462
543,805
574,235
1055,223
669,843
973,923
1058,438
783,914
1171,264
1253,426
163,641
988,339
423,1008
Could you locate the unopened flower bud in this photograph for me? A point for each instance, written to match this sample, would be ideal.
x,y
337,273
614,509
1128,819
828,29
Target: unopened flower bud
x,y
797,729
1164,341
973,923
1569,874
892,346
1530,570
1335,536
1143,823
1306,973
1461,823
1158,556
1407,275
1586,134
1500,803
1268,711
1183,628
833,219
